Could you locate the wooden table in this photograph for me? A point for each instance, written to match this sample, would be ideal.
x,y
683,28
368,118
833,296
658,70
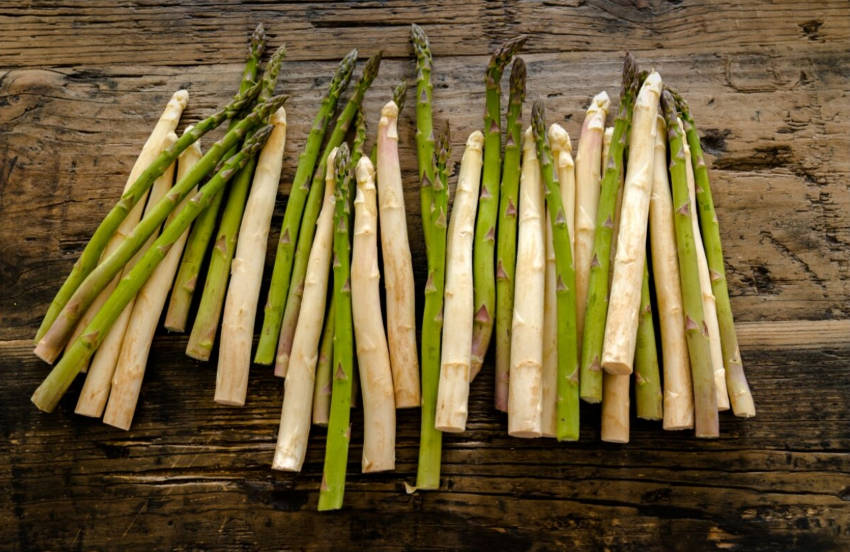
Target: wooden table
x,y
768,83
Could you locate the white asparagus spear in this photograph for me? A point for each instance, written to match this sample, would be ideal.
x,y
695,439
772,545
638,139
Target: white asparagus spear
x,y
588,177
300,377
615,408
709,306
142,326
458,310
559,140
525,392
398,265
373,358
678,408
246,271
618,348
106,358
153,147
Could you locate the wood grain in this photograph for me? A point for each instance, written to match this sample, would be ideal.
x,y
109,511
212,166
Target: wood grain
x,y
80,87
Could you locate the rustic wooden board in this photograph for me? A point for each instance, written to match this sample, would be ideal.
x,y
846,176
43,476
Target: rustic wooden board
x,y
80,85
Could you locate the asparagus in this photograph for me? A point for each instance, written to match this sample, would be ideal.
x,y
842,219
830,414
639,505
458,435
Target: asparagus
x,y
705,399
424,124
525,398
568,383
709,310
507,230
339,430
484,276
455,363
678,407
434,218
398,265
204,329
298,392
647,380
153,146
736,380
615,408
621,322
323,385
373,356
186,280
55,339
597,296
298,263
47,396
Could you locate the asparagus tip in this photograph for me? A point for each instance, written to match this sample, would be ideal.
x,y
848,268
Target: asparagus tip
x,y
420,42
399,94
341,161
538,118
630,71
518,77
504,54
258,41
372,66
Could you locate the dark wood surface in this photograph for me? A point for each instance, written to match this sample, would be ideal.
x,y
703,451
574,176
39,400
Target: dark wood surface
x,y
80,86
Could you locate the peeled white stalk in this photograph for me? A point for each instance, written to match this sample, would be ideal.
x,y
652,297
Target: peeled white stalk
x,y
618,348
678,407
398,265
246,271
525,391
615,408
559,140
588,178
123,387
373,357
300,377
154,145
458,308
709,305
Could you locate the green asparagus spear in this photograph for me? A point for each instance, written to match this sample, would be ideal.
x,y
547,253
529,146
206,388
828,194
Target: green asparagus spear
x,y
47,396
308,223
484,272
507,230
91,254
567,428
702,376
339,429
205,327
186,280
736,380
424,123
647,379
598,281
55,339
295,206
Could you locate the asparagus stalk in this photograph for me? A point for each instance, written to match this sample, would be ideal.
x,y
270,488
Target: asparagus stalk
x,y
568,383
455,363
588,165
92,252
561,152
615,408
435,218
202,231
47,396
97,386
736,380
621,323
298,263
424,124
708,303
606,147
647,379
298,392
398,265
154,146
237,327
705,399
597,295
138,337
301,184
55,339
506,233
324,383
484,276
373,357
678,407
205,327
525,398
339,429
